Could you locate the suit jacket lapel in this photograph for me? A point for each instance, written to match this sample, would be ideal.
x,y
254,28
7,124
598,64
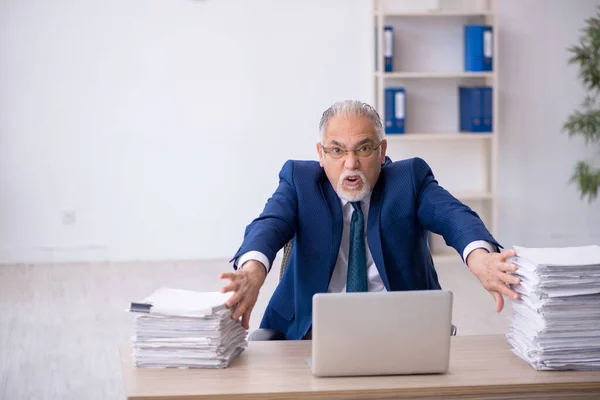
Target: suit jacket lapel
x,y
335,211
373,231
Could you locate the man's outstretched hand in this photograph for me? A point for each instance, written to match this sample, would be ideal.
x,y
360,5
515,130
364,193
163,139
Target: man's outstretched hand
x,y
245,284
492,270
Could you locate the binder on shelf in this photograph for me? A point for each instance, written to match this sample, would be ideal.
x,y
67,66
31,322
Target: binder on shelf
x,y
388,48
395,103
478,50
475,109
487,109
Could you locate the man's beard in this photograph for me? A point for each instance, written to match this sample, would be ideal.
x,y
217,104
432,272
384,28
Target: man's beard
x,y
353,195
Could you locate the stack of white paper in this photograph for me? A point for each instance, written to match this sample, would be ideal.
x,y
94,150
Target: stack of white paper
x,y
185,329
555,324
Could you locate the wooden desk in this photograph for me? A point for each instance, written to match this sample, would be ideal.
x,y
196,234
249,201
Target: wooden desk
x,y
480,367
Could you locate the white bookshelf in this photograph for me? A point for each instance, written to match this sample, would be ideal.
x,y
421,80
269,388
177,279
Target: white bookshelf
x,y
433,13
438,136
433,75
431,35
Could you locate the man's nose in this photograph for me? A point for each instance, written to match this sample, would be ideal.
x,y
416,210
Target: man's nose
x,y
351,161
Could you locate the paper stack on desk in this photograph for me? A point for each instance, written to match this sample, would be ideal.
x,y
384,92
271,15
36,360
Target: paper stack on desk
x,y
555,324
185,329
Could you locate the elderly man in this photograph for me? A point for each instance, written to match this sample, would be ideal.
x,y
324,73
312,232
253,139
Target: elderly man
x,y
359,222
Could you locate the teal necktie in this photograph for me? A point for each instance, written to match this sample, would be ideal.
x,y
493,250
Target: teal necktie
x,y
357,257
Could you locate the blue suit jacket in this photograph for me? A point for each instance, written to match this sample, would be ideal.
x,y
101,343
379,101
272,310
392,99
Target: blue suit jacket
x,y
406,203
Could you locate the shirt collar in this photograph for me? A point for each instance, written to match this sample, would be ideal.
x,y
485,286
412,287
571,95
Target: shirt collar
x,y
364,202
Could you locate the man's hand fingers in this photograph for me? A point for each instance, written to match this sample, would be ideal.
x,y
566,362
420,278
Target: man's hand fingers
x,y
240,309
230,287
228,275
508,292
246,319
499,300
498,290
508,278
233,300
507,253
243,307
508,267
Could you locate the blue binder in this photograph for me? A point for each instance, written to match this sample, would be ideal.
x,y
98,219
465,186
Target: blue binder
x,y
469,122
478,49
475,109
395,108
487,117
388,49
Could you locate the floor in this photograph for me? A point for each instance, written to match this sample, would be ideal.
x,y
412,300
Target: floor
x,y
60,325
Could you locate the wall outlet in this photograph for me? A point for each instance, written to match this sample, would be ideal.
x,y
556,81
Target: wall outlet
x,y
69,217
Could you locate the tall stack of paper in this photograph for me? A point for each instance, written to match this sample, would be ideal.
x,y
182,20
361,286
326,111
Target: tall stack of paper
x,y
185,329
555,324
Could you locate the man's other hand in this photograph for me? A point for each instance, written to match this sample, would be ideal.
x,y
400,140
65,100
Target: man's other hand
x,y
245,283
492,270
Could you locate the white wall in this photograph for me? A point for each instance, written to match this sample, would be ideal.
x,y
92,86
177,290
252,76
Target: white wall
x,y
163,124
538,91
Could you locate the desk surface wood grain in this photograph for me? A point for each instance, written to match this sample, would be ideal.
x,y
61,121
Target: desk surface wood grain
x,y
480,366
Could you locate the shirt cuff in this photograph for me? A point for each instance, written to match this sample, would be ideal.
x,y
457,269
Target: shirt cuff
x,y
477,244
253,255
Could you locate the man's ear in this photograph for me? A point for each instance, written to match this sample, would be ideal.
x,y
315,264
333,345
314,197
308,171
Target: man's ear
x,y
320,153
383,150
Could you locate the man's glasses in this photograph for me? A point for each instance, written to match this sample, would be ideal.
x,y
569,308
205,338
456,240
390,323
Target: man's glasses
x,y
363,151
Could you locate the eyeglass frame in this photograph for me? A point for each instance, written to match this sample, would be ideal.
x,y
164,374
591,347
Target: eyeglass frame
x,y
328,150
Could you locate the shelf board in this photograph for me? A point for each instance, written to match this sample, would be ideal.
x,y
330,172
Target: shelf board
x,y
434,75
415,137
434,13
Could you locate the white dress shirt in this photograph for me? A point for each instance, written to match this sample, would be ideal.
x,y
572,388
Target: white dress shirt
x,y
337,283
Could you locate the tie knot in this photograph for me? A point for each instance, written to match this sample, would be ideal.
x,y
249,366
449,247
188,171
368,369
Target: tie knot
x,y
356,206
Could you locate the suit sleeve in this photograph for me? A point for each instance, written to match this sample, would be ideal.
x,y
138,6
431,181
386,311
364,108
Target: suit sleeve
x,y
441,213
277,223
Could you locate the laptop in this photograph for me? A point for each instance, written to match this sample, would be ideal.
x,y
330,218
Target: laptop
x,y
381,333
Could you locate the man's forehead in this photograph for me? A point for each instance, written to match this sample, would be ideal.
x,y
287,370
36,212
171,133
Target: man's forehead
x,y
349,137
349,127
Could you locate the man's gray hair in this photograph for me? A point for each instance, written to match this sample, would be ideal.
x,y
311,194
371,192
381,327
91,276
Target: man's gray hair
x,y
353,108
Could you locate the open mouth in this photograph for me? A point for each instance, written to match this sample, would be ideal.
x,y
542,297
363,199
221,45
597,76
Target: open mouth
x,y
353,181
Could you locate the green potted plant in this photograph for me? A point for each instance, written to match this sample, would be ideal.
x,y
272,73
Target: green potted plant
x,y
586,121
